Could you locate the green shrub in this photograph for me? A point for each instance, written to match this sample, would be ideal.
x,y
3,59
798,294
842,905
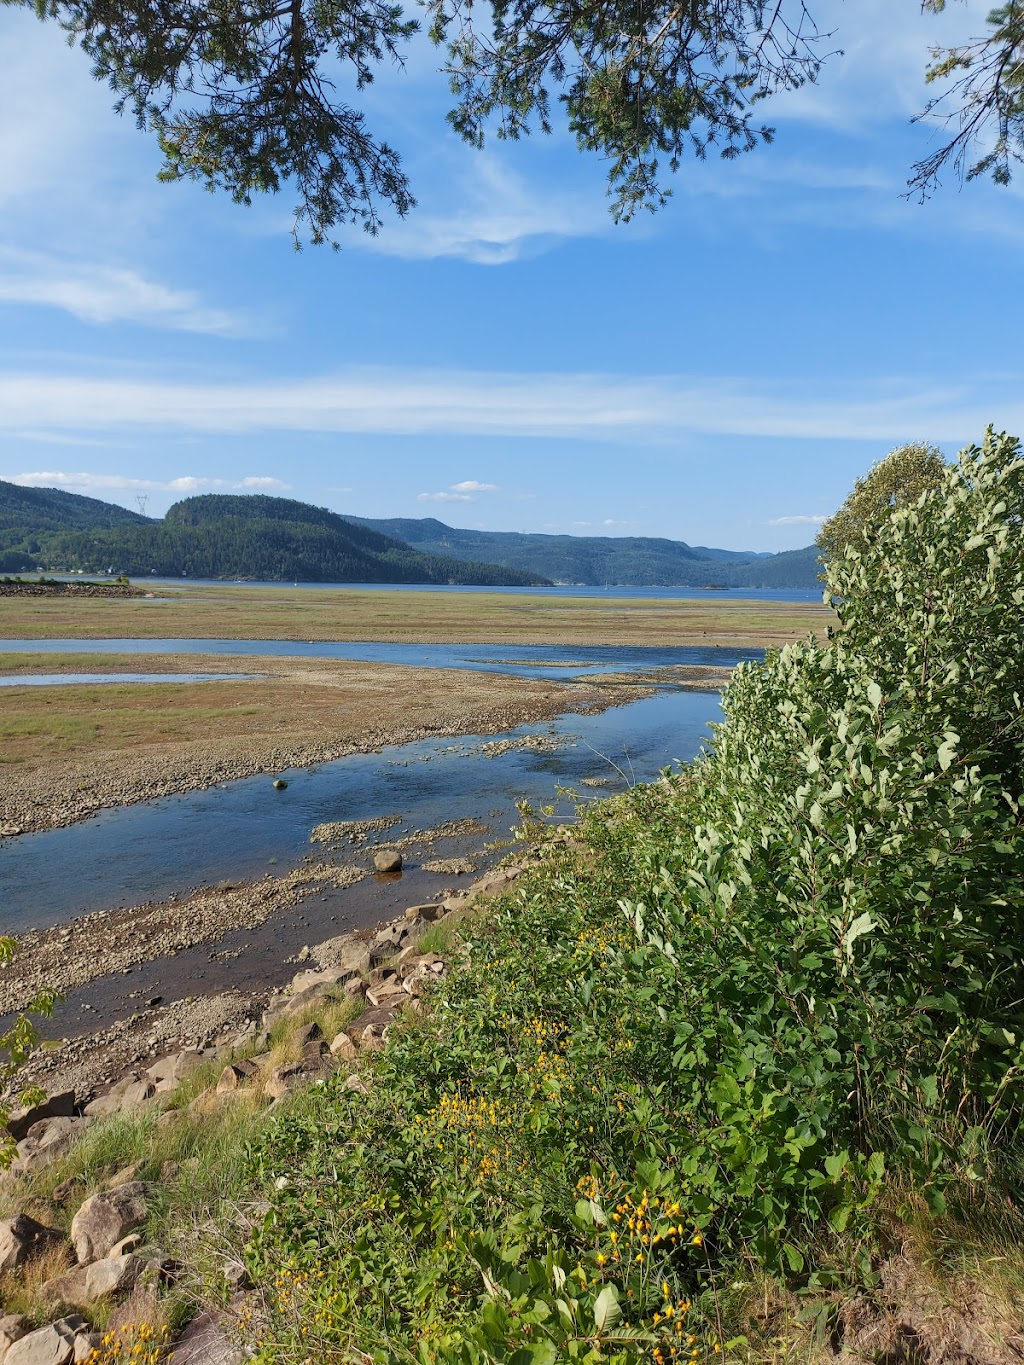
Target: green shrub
x,y
776,985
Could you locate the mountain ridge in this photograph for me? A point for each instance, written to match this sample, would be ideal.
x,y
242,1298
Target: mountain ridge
x,y
625,561
253,535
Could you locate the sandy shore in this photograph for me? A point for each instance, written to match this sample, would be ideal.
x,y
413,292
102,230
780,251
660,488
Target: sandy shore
x,y
140,741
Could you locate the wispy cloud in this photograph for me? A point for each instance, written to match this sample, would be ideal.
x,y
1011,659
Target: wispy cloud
x,y
444,496
82,481
465,491
590,406
100,293
796,520
502,219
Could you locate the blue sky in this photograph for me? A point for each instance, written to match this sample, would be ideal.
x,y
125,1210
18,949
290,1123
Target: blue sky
x,y
506,357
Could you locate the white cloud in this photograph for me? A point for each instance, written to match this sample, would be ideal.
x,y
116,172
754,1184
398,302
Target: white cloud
x,y
100,293
797,520
459,492
84,482
589,406
503,220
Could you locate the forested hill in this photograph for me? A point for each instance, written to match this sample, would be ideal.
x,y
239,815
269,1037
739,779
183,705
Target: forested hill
x,y
640,561
225,536
30,516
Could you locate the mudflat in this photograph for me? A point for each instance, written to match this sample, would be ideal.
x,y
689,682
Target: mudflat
x,y
67,751
271,612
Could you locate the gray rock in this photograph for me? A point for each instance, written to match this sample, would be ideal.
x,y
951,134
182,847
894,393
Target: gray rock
x,y
46,1141
60,1106
344,1047
235,1076
105,1218
206,1342
110,1101
355,988
86,1284
388,941
22,1238
134,1240
12,1328
137,1093
329,976
85,1344
427,912
344,951
387,993
171,1071
387,860
53,1345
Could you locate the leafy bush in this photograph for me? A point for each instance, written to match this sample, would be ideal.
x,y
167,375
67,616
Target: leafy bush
x,y
770,987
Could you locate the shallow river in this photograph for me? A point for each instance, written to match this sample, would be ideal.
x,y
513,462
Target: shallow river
x,y
244,828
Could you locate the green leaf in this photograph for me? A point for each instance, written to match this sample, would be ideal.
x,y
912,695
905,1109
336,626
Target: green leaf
x,y
607,1310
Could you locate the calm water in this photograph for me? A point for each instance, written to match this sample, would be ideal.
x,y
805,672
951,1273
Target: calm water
x,y
530,661
562,590
147,851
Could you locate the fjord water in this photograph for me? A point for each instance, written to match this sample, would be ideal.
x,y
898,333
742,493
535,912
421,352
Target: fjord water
x,y
243,828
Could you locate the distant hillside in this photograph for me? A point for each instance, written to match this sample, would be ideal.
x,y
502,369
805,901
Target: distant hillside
x,y
29,516
636,561
253,536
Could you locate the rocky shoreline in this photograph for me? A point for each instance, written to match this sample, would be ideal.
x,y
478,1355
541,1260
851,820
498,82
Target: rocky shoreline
x,y
251,1050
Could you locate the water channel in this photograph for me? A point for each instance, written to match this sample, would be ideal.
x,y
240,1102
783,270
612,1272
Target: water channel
x,y
244,828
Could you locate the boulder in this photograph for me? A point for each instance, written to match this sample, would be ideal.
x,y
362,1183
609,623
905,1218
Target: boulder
x,y
387,993
46,1141
86,1343
134,1240
170,1071
387,860
105,1218
344,1047
425,912
137,1093
110,1101
309,1033
22,1238
330,976
236,1075
12,1328
388,941
53,1345
60,1106
292,1005
86,1284
344,951
355,989
205,1341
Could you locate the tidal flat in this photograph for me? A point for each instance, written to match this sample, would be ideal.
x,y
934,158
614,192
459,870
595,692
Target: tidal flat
x,y
70,751
279,612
